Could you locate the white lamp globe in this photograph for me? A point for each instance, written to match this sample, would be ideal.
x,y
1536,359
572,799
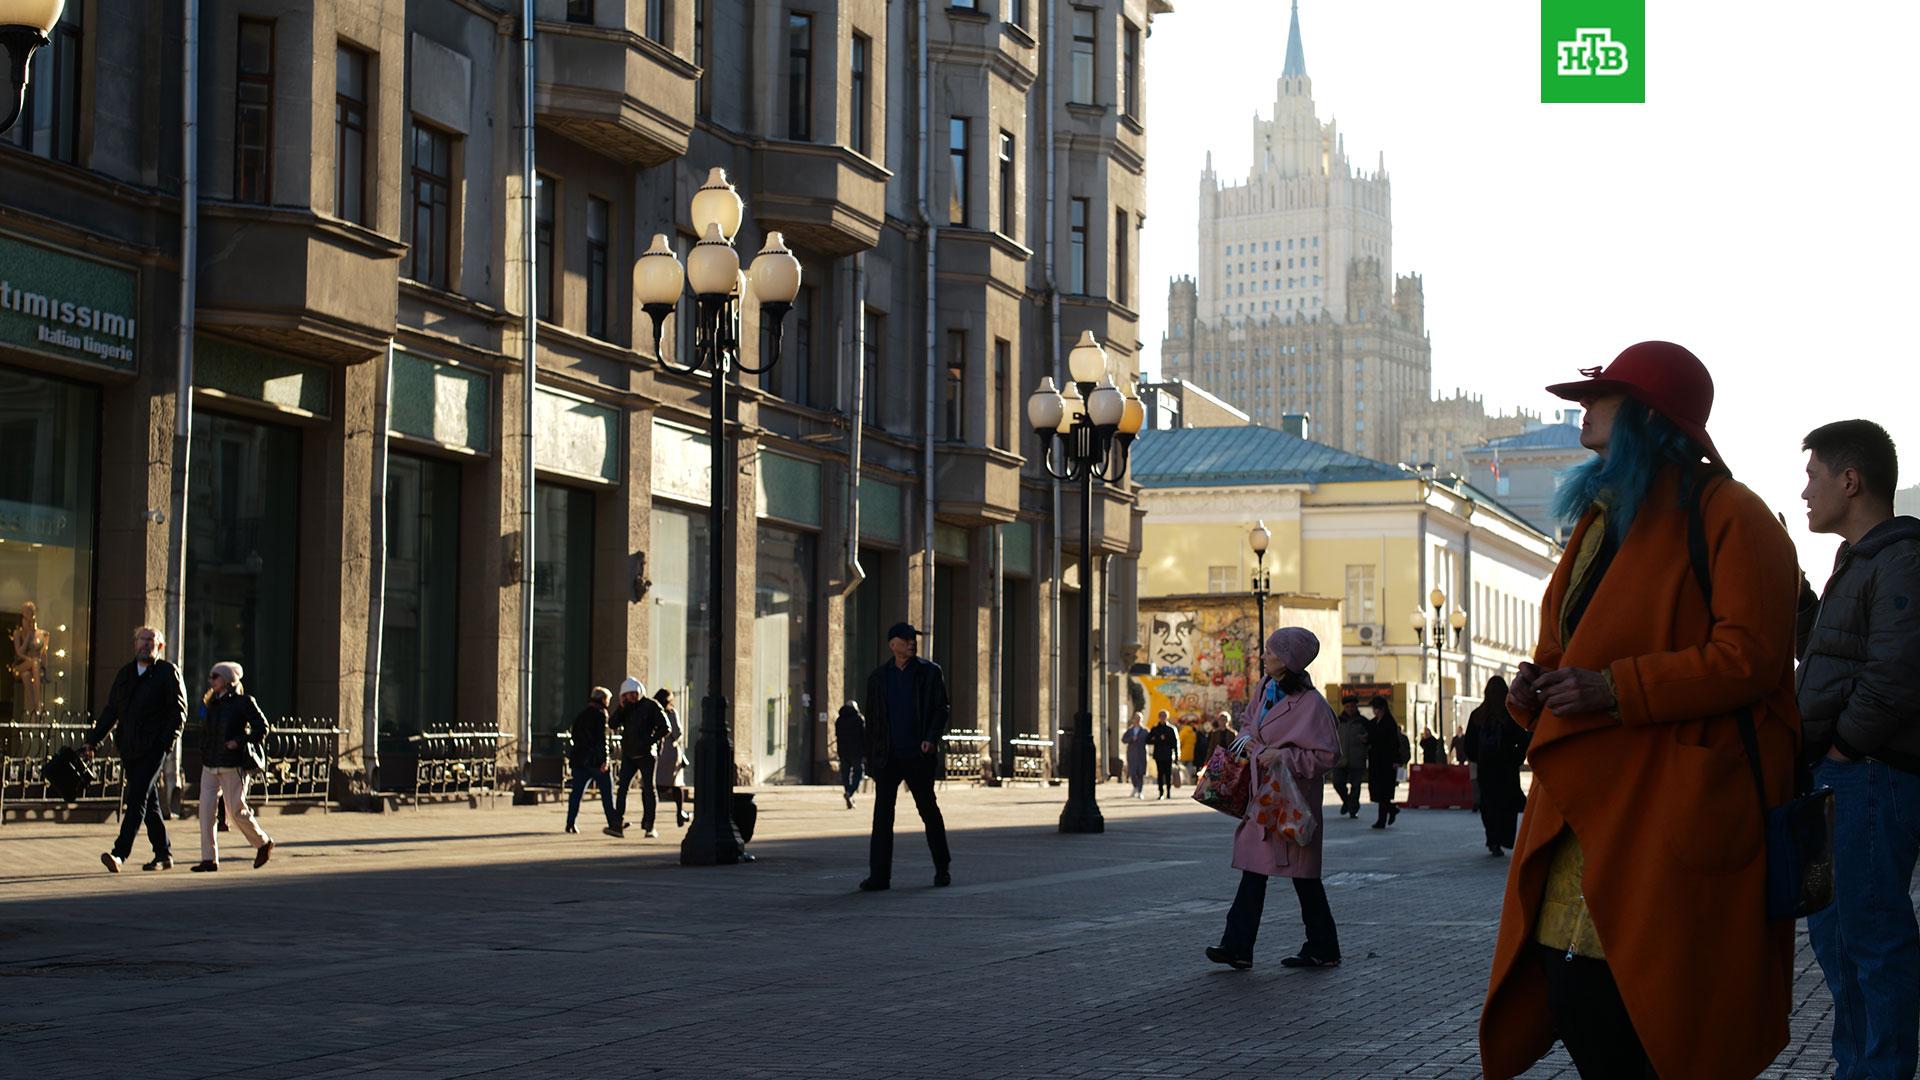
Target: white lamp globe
x,y
658,276
717,203
1088,361
775,273
1106,405
42,15
1045,407
1073,408
1259,538
713,267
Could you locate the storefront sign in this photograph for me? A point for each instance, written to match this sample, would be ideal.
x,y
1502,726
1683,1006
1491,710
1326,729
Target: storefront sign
x,y
682,463
257,375
788,488
880,511
441,403
67,306
575,436
26,523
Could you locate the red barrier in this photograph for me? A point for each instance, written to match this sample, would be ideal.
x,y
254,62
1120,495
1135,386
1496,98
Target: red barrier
x,y
1440,787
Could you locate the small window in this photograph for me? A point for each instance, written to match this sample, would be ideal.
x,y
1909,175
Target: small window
x,y
799,359
1009,187
1223,579
1077,249
952,412
799,76
957,153
544,283
1120,263
657,21
598,229
871,349
857,103
1003,434
700,88
1130,71
580,11
432,205
1085,46
350,134
1017,13
253,113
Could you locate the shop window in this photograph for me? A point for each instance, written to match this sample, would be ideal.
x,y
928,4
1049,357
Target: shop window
x,y
253,113
678,566
783,638
562,611
49,488
419,626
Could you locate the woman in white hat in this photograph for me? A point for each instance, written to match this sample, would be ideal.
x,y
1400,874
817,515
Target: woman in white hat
x,y
233,727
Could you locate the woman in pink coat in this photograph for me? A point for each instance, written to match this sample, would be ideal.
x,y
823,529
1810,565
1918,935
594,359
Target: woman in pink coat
x,y
1289,726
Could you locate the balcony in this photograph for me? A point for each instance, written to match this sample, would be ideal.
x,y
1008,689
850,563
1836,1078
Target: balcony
x,y
827,199
292,281
981,256
614,92
975,485
1113,521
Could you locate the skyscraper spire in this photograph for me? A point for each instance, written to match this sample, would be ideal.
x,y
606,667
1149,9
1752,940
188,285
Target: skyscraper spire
x,y
1296,57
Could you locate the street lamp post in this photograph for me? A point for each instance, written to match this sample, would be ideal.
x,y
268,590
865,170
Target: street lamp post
x,y
24,26
1258,539
1437,629
1095,424
719,289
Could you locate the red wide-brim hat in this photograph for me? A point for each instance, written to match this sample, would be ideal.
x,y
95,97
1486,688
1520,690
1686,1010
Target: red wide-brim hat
x,y
1664,377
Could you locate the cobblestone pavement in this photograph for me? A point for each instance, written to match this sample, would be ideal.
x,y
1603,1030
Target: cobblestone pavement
x,y
452,942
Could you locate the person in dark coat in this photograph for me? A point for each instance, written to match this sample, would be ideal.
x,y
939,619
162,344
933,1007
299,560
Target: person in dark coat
x,y
850,735
666,770
1387,750
588,757
1135,740
1432,750
1163,741
642,725
907,711
1350,761
233,723
1499,746
146,710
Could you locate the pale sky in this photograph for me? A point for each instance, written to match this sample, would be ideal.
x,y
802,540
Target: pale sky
x,y
1760,209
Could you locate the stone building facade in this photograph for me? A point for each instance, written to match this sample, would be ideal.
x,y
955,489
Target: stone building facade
x,y
354,461
1296,308
1440,433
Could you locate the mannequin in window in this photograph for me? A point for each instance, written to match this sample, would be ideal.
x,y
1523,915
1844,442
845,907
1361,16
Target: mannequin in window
x,y
30,657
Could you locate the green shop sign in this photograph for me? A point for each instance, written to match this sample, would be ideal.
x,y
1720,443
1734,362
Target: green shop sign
x,y
67,306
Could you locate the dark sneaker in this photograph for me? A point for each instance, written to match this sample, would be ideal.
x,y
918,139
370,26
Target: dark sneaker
x,y
848,795
941,878
158,862
1305,961
1221,956
261,855
613,832
870,885
111,861
571,829
204,867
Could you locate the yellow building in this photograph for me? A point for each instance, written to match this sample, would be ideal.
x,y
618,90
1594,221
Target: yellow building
x,y
1377,537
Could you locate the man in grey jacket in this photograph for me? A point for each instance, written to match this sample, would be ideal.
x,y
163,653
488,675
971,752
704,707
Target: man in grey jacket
x,y
1859,691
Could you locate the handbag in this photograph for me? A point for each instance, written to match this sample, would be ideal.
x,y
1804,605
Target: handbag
x,y
67,773
256,758
1224,782
1799,832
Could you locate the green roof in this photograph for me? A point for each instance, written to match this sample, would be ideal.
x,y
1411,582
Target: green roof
x,y
1246,456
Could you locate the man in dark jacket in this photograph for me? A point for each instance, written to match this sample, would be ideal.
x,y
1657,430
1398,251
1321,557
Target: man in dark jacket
x,y
588,758
1350,759
146,710
850,736
1859,693
1162,740
642,723
907,711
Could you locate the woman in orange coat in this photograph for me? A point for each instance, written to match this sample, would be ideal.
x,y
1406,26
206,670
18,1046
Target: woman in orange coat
x,y
1634,928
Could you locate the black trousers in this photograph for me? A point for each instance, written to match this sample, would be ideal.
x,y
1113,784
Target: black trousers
x,y
1243,918
649,798
1346,784
140,804
1163,774
917,773
1590,1018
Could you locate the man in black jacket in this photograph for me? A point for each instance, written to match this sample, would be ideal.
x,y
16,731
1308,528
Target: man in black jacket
x,y
146,711
641,724
907,712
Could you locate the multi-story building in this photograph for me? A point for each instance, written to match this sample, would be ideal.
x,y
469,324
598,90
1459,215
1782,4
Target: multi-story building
x,y
354,323
1296,308
1438,434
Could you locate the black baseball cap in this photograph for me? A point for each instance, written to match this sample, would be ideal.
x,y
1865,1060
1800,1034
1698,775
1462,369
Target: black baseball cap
x,y
904,631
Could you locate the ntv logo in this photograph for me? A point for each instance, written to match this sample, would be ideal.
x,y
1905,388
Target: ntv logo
x,y
1592,52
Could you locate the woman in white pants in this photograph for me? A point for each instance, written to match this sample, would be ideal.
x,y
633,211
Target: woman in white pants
x,y
233,722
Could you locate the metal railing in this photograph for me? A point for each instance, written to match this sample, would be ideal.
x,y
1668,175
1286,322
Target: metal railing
x,y
457,763
961,754
301,762
1032,758
25,747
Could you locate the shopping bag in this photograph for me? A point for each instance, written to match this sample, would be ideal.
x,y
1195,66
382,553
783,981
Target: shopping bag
x,y
1282,809
1223,783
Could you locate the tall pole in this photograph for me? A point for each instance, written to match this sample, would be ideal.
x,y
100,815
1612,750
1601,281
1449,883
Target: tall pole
x,y
1082,812
529,387
1260,606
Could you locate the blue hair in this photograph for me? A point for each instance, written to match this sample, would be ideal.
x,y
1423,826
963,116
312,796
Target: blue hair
x,y
1642,444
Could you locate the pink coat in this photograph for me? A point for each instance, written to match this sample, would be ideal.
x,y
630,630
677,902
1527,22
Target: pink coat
x,y
1302,726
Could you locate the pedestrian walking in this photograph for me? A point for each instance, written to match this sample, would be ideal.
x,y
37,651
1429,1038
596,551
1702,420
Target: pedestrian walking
x,y
1135,740
1859,696
588,759
1350,758
1387,751
233,741
1634,929
1163,740
850,735
1289,727
907,707
1432,750
642,725
1498,747
146,710
666,774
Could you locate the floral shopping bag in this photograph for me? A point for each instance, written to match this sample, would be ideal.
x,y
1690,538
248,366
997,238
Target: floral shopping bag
x,y
1282,809
1224,783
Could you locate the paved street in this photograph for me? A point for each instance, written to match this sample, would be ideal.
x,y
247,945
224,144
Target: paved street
x,y
482,942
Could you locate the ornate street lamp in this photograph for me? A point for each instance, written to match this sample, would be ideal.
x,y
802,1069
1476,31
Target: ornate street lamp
x,y
1095,424
24,26
1258,540
719,288
1436,629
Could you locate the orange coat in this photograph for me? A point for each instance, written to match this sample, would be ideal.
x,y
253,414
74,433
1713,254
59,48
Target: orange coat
x,y
1661,796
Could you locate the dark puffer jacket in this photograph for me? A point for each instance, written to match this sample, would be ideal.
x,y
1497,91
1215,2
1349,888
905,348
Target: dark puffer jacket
x,y
1859,678
230,718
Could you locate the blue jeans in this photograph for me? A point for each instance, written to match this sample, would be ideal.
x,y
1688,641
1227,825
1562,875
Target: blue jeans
x,y
1867,941
852,771
581,777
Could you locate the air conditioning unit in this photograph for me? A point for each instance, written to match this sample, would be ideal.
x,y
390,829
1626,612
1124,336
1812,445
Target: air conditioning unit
x,y
1370,633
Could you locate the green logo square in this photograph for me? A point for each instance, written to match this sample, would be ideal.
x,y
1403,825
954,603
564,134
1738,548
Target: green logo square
x,y
1593,50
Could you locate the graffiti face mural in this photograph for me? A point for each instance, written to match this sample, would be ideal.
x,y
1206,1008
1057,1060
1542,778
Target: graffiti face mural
x,y
1170,641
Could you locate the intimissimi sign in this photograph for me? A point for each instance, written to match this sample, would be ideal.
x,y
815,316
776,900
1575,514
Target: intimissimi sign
x,y
68,306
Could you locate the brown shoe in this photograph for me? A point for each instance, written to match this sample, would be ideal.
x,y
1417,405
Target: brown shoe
x,y
261,856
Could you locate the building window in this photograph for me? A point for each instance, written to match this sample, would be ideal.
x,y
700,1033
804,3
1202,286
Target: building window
x,y
420,623
1003,394
953,388
350,134
432,205
49,485
253,113
1120,263
545,194
957,154
799,75
1360,596
701,90
562,609
1077,249
598,229
858,96
580,11
1130,72
49,122
1223,579
1085,43
784,635
799,360
870,348
657,20
1009,188
1017,13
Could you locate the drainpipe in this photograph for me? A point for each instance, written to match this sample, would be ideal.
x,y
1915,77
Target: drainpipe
x,y
932,360
176,617
1053,366
529,383
996,698
856,421
377,616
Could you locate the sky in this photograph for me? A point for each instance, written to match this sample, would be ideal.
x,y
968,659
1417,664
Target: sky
x,y
1760,209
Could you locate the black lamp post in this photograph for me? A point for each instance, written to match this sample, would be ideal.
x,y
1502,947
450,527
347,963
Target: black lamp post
x,y
1436,630
719,288
24,26
1258,539
1095,425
